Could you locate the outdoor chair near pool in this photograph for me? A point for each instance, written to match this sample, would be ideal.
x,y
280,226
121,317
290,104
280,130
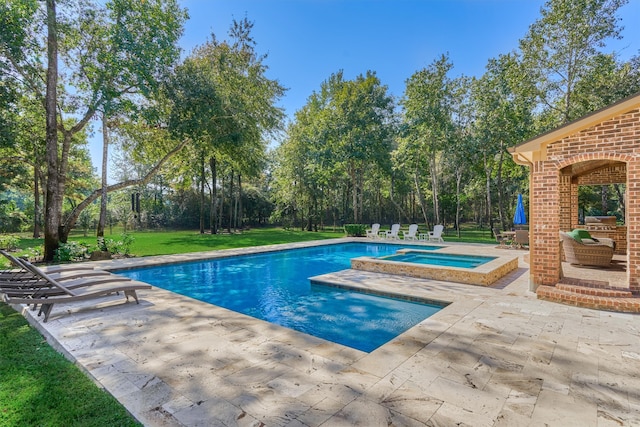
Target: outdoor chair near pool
x,y
373,231
51,291
393,233
521,239
34,282
436,234
24,272
589,254
412,234
501,238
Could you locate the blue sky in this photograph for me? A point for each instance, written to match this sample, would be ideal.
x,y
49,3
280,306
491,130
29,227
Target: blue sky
x,y
307,40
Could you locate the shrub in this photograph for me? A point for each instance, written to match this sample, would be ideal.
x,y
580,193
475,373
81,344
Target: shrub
x,y
71,251
9,242
355,230
121,246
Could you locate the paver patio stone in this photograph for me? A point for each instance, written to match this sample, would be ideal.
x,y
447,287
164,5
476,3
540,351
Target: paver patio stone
x,y
494,356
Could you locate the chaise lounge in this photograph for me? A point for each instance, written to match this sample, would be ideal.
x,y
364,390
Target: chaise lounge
x,y
50,291
591,252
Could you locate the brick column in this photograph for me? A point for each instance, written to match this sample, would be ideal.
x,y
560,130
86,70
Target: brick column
x,y
566,203
633,224
545,218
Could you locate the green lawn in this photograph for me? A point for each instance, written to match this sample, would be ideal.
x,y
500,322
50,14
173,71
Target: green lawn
x,y
39,387
147,243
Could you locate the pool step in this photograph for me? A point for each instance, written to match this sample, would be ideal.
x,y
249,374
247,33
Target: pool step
x,y
591,294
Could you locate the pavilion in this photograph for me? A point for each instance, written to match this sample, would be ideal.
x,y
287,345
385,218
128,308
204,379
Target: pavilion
x,y
598,149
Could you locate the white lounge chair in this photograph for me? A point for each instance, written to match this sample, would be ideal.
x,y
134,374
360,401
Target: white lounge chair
x,y
412,234
373,232
393,233
436,234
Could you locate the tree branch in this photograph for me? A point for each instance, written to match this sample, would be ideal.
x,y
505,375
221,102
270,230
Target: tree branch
x,y
75,214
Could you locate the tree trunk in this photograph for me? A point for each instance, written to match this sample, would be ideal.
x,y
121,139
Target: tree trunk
x,y
36,199
604,199
354,195
103,194
434,189
229,225
501,204
487,174
214,195
202,178
52,214
75,213
221,212
239,214
423,203
621,201
458,185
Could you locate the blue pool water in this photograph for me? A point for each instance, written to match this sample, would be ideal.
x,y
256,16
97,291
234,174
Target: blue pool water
x,y
275,287
448,260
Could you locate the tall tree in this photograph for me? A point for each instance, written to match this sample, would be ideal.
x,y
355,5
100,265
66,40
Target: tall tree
x,y
562,47
226,103
428,119
503,118
107,52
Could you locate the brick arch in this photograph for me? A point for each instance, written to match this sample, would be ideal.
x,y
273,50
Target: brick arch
x,y
584,157
627,244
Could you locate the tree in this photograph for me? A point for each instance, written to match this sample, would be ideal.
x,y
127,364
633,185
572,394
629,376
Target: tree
x,y
503,118
225,102
358,126
608,81
108,53
428,123
562,47
339,138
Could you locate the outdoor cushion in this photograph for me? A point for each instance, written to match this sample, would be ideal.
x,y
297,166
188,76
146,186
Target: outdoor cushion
x,y
580,235
574,235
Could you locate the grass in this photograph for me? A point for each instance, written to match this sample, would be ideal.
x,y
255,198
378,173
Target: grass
x,y
39,387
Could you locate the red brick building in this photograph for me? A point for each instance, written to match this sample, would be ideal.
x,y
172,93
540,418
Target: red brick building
x,y
601,148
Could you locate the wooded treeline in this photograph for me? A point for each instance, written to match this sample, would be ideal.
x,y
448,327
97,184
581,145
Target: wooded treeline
x,y
191,141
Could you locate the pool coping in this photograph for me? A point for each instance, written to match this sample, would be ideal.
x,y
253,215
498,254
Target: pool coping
x,y
494,356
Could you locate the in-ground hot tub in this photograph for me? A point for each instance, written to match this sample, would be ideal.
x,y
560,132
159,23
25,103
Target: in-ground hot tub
x,y
469,269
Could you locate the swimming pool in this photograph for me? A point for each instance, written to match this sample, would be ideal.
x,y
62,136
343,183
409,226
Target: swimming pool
x,y
448,267
275,287
449,260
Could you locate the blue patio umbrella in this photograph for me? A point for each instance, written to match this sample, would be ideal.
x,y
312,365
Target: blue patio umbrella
x,y
520,217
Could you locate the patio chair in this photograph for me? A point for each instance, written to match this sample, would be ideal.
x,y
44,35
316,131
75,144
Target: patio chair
x,y
436,234
592,254
393,233
501,238
373,231
51,291
521,239
412,233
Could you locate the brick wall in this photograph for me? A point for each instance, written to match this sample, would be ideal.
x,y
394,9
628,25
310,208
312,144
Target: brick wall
x,y
554,195
612,175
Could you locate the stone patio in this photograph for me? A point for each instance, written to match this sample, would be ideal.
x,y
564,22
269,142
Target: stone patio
x,y
495,356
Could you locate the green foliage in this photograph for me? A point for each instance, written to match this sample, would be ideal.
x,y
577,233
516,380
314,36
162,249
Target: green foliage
x,y
355,230
121,246
40,387
9,242
72,251
12,219
562,47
